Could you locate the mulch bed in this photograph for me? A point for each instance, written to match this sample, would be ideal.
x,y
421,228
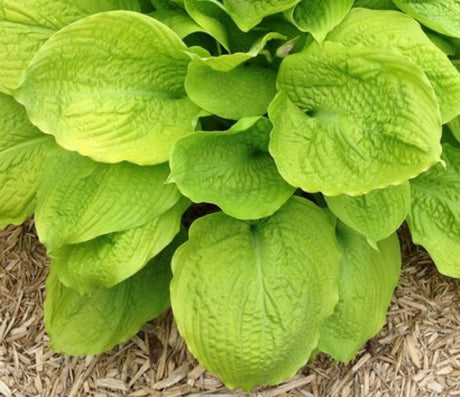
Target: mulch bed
x,y
417,354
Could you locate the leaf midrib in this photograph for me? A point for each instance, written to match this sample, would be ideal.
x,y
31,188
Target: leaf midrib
x,y
25,145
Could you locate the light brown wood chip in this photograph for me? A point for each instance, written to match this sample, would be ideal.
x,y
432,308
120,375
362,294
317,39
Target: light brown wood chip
x,y
416,354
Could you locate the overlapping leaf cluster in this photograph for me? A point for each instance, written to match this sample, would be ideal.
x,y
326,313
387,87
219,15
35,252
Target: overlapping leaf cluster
x,y
316,126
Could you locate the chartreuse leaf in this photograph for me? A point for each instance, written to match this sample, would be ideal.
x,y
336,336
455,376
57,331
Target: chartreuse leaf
x,y
249,297
23,149
228,88
212,16
132,108
176,18
319,16
367,280
377,214
395,30
443,16
341,106
214,19
454,126
91,324
80,199
376,4
293,40
231,169
434,219
442,42
166,3
227,62
248,13
25,25
112,258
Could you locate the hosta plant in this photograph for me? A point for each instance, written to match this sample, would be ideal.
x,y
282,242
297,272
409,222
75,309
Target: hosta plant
x,y
310,129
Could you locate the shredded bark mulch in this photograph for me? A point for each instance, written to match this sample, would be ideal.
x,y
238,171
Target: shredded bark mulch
x,y
417,354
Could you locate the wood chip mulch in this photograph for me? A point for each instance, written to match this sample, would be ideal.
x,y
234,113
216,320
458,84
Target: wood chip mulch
x,y
416,354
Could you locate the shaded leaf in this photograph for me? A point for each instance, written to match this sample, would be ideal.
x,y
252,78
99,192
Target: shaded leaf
x,y
454,126
248,13
231,169
367,280
92,324
80,199
176,18
376,4
377,214
319,16
230,87
434,219
109,259
214,19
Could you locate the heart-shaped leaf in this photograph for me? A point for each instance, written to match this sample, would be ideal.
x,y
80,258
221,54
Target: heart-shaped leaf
x,y
231,86
249,297
132,108
232,169
248,13
377,214
319,16
397,31
353,119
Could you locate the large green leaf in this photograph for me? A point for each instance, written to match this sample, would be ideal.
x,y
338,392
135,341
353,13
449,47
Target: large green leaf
x,y
249,297
319,16
442,42
230,88
376,4
242,92
91,324
395,30
112,258
248,13
80,199
25,25
23,149
367,280
434,219
176,18
212,16
377,214
442,16
158,4
353,119
454,126
110,86
214,19
231,169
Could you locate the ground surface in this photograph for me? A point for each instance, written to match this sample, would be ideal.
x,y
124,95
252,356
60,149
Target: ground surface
x,y
417,354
